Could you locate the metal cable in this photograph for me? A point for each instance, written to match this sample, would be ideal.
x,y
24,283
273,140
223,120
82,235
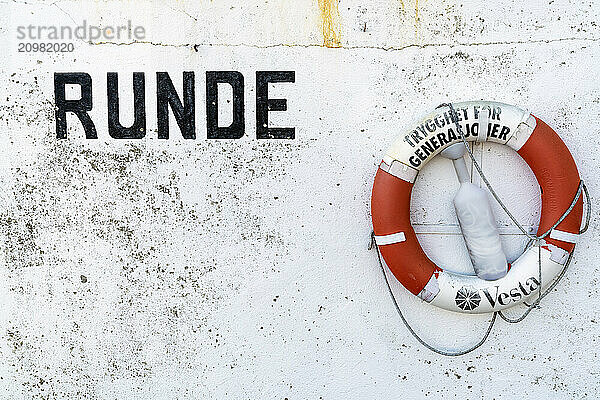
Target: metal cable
x,y
454,118
533,238
537,302
411,330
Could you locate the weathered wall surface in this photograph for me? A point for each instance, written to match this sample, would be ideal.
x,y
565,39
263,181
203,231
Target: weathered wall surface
x,y
148,268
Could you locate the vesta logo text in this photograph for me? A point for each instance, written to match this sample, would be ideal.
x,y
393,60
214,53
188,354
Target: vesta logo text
x,y
182,104
494,296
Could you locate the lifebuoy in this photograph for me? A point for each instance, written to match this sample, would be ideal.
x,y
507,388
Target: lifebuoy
x,y
544,152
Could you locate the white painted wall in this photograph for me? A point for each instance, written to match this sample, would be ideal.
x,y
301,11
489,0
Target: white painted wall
x,y
239,269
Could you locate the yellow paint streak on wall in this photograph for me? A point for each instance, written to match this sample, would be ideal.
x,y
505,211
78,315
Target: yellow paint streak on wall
x,y
330,23
417,19
417,14
402,5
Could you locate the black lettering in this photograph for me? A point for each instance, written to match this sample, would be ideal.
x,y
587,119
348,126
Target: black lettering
x,y
167,96
504,133
78,107
442,138
502,298
496,113
515,294
476,124
237,127
420,155
416,136
264,104
447,118
439,121
451,135
138,129
422,130
494,131
427,148
430,125
532,284
491,299
467,134
414,161
457,116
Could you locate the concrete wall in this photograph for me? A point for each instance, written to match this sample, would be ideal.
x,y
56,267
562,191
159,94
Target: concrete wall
x,y
239,268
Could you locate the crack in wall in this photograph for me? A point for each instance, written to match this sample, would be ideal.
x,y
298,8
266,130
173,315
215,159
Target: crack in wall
x,y
195,47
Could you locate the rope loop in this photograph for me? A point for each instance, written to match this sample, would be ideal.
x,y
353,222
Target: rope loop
x,y
533,239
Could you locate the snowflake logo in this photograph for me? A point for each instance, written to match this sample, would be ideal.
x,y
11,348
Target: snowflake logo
x,y
467,299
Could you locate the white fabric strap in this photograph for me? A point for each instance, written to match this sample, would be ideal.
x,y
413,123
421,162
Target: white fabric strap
x,y
522,133
564,236
558,255
483,118
399,170
390,239
430,290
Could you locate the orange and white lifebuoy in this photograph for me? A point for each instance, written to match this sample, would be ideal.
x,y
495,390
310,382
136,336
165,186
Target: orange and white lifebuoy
x,y
553,166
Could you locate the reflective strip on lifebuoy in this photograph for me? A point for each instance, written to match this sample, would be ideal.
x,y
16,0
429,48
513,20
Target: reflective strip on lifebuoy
x,y
554,169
